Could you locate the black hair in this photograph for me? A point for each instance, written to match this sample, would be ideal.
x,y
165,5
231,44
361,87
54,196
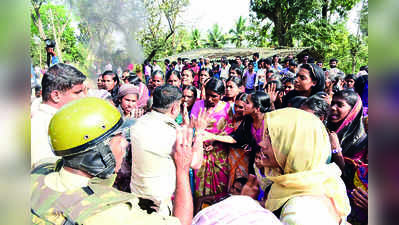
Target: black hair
x,y
311,60
365,68
256,54
268,61
191,71
289,79
215,85
333,59
318,105
167,61
61,77
206,69
350,76
164,96
37,88
236,80
173,72
261,100
286,60
316,74
251,62
241,180
297,101
114,76
242,96
133,79
237,70
157,72
190,88
215,67
321,94
174,63
350,96
178,59
293,63
360,84
279,86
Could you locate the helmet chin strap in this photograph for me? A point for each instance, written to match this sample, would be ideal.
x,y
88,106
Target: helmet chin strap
x,y
98,161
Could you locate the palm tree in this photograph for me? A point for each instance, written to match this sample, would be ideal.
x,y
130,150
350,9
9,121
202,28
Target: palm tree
x,y
195,41
238,34
215,38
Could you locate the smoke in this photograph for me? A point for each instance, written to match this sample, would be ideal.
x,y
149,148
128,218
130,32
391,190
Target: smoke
x,y
112,28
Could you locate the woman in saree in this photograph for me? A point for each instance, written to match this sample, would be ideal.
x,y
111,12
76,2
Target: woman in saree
x,y
295,148
346,120
233,87
309,80
238,157
212,178
248,134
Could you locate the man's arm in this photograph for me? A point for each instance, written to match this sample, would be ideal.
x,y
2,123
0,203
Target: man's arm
x,y
183,208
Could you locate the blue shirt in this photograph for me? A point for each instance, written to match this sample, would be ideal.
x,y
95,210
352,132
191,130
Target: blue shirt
x,y
250,80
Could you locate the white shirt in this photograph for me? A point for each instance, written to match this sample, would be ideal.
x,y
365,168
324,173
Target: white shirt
x,y
156,67
224,72
153,168
236,210
40,145
179,67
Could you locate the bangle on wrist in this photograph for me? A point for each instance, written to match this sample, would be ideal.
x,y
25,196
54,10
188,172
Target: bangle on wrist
x,y
337,150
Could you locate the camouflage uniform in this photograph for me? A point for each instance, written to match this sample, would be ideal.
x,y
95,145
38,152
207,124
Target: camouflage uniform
x,y
93,203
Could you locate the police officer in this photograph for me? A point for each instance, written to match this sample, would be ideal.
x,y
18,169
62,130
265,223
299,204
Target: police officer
x,y
86,133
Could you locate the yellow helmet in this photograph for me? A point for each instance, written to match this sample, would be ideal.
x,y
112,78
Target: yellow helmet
x,y
82,124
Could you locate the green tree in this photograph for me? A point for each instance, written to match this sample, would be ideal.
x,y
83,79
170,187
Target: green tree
x,y
238,33
215,38
154,37
364,18
195,39
331,7
285,14
55,24
258,35
333,40
179,42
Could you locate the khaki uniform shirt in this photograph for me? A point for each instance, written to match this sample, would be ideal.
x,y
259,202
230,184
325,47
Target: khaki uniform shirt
x,y
40,145
126,213
153,169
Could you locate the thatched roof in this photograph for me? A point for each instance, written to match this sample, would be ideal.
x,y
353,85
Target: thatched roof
x,y
230,53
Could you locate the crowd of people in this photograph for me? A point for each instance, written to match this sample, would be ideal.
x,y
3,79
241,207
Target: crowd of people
x,y
195,141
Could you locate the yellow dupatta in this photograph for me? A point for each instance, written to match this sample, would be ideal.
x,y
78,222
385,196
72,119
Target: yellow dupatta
x,y
301,146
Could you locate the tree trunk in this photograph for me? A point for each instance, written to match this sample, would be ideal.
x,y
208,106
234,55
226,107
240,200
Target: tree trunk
x,y
281,33
154,51
38,23
281,28
353,64
324,10
151,55
56,38
40,55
